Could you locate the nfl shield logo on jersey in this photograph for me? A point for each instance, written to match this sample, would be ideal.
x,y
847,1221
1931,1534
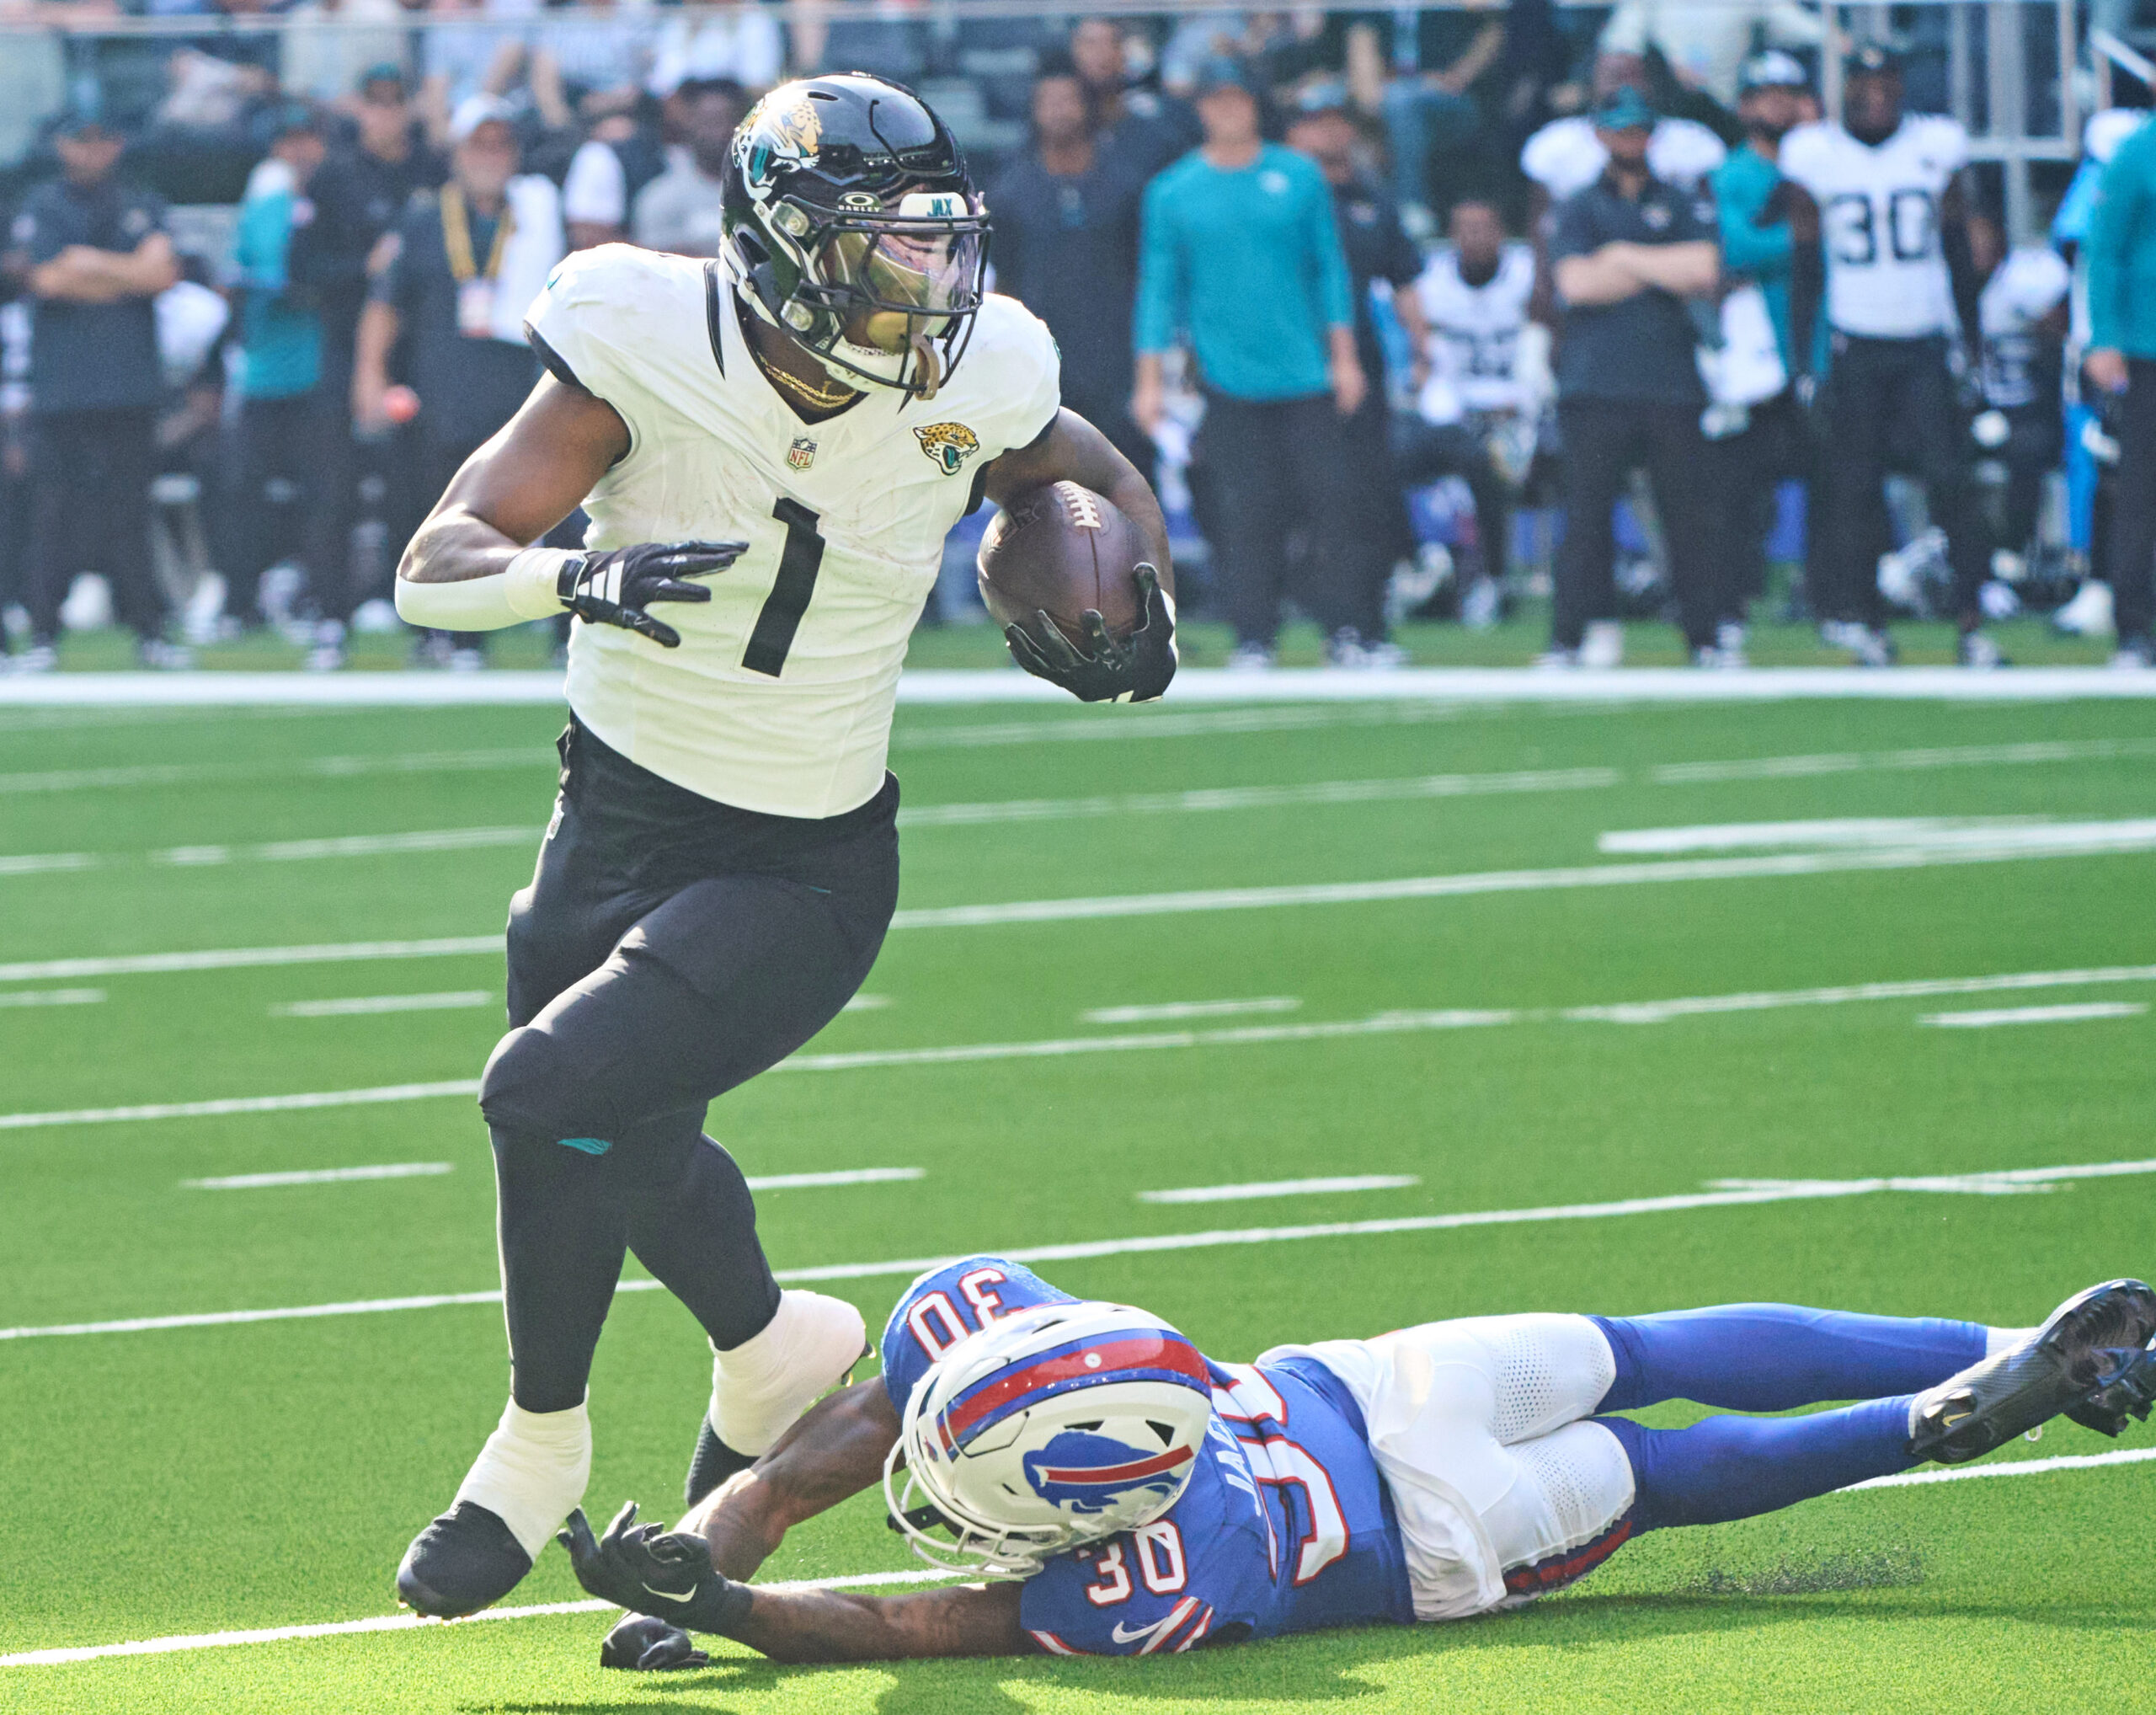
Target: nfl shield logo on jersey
x,y
803,453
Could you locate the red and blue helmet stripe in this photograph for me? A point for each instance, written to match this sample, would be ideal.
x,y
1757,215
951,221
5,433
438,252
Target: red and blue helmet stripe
x,y
1156,1354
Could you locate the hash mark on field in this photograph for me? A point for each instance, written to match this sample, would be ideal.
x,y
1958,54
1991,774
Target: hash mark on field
x,y
333,767
36,863
2035,1015
1943,756
866,1003
320,1176
1771,1191
1225,797
449,1000
1169,1010
1282,1188
847,1176
350,846
52,997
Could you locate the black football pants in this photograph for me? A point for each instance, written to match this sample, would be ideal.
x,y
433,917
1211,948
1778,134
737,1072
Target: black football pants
x,y
1890,405
1742,472
1605,440
668,949
90,473
1274,464
1421,452
2134,503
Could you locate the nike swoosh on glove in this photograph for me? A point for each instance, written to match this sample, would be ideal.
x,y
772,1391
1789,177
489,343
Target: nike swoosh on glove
x,y
649,1570
616,587
1137,669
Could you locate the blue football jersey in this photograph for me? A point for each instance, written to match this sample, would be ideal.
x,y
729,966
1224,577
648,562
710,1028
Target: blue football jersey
x,y
1283,1526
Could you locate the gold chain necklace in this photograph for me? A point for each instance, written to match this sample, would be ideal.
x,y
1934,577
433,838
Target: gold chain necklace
x,y
808,392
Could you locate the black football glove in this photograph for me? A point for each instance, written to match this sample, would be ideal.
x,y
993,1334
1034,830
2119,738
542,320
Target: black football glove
x,y
1137,669
649,1570
616,586
647,1645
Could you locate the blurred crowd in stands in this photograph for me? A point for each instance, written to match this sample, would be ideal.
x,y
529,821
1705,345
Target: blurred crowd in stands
x,y
1410,311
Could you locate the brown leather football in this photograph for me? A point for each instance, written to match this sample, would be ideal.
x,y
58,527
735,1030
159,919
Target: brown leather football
x,y
1062,549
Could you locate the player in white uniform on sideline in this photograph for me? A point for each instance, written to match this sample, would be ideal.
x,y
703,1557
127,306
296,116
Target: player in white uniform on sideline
x,y
1476,409
1880,197
808,415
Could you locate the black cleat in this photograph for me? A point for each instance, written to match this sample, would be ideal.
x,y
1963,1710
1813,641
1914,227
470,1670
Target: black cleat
x,y
465,1561
2059,1368
712,1463
2127,1388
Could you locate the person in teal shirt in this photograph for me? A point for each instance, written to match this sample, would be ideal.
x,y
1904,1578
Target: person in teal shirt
x,y
2122,256
1775,446
1240,255
281,345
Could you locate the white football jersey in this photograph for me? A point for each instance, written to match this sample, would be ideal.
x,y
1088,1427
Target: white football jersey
x,y
2028,286
1474,335
1879,222
1565,155
779,698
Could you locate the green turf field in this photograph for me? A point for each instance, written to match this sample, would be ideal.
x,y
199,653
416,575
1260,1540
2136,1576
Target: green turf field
x,y
180,1481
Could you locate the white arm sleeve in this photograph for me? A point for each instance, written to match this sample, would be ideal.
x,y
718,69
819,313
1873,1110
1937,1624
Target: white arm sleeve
x,y
527,591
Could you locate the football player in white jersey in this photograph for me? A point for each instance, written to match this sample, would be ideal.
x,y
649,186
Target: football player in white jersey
x,y
1476,409
805,417
1879,196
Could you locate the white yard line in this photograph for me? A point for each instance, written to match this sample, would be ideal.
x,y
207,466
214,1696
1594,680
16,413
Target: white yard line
x,y
407,1622
2071,1014
247,958
349,846
1167,1011
1741,1196
1282,1188
52,997
334,768
847,1176
449,1000
1990,834
320,1176
1226,797
2037,751
1388,1024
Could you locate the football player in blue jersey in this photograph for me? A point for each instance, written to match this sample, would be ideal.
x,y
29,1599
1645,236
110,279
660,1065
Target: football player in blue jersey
x,y
1129,1496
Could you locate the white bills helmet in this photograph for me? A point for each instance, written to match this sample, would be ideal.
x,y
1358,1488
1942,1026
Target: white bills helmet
x,y
1057,1425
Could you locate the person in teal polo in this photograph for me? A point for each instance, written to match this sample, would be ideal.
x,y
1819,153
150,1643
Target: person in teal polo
x,y
2122,255
1774,98
1240,257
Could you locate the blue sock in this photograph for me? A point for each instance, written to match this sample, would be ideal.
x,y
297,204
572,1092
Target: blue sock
x,y
1726,1468
1776,1357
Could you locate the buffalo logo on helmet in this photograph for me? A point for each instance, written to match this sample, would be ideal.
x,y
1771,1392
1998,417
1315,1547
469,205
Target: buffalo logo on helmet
x,y
949,444
1083,1472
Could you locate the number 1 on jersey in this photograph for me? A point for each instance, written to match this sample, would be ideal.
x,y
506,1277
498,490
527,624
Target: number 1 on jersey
x,y
798,563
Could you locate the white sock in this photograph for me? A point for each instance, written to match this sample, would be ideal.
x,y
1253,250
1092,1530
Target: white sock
x,y
533,1470
760,1387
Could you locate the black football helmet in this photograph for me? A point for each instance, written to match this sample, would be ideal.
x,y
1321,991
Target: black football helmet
x,y
851,223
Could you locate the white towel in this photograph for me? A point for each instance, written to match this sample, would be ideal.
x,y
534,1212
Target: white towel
x,y
535,244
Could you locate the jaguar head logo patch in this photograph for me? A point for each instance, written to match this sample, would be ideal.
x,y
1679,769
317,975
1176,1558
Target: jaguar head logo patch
x,y
949,444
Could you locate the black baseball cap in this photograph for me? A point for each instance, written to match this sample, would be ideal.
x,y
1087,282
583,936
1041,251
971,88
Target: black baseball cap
x,y
1871,59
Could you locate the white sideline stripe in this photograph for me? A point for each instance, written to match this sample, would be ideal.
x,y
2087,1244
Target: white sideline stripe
x,y
1282,1188
1882,833
1225,797
334,768
405,1622
2070,840
1471,686
848,1176
449,1000
1168,1010
320,1176
1380,1024
2010,1467
52,997
246,958
2035,1015
408,1623
1745,1195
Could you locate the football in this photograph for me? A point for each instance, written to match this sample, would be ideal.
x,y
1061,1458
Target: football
x,y
1062,549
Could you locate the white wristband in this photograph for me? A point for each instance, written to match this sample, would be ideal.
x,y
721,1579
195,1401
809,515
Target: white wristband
x,y
533,581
